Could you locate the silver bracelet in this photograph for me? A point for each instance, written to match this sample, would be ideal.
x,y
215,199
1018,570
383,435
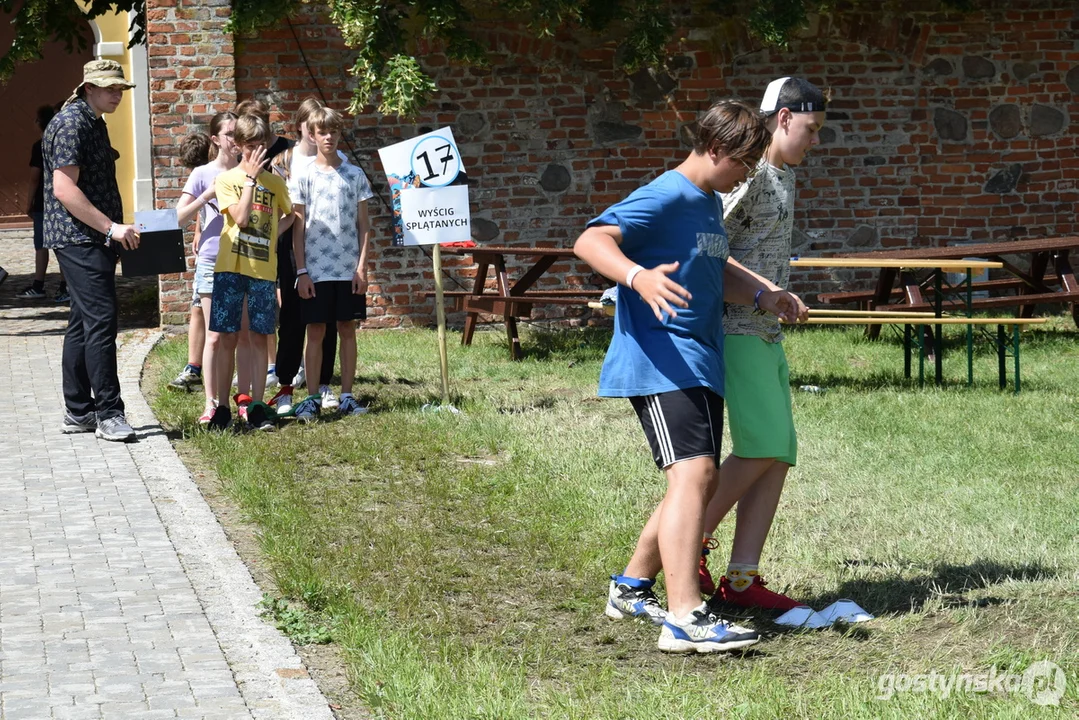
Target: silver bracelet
x,y
108,235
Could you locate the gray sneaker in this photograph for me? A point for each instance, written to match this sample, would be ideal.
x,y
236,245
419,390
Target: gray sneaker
x,y
115,429
78,424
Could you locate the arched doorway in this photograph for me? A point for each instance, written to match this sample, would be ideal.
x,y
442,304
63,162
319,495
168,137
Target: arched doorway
x,y
44,82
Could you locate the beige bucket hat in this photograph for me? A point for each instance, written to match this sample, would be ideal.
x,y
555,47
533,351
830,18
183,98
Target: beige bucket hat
x,y
103,73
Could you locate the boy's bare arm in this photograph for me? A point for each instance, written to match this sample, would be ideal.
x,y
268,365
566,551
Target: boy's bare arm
x,y
599,247
304,287
741,286
285,222
363,232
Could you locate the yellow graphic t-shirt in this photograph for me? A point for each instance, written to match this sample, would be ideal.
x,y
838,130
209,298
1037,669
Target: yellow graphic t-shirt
x,y
251,251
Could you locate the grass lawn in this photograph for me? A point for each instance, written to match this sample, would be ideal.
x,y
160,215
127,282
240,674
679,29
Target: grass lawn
x,y
461,561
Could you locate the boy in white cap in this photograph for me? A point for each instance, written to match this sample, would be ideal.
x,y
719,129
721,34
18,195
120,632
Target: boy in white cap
x,y
759,219
666,244
83,217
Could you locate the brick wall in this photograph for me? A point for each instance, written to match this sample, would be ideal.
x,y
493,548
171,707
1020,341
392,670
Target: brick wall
x,y
192,76
944,127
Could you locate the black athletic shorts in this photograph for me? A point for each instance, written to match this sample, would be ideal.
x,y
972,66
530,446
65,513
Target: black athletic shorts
x,y
333,303
681,424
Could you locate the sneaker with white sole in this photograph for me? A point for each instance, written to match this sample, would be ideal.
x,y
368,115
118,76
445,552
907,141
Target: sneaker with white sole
x,y
188,378
703,632
329,400
115,429
640,603
301,378
308,410
78,424
351,406
260,417
272,380
281,402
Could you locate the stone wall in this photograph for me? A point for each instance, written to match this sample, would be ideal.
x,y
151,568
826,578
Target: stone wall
x,y
944,127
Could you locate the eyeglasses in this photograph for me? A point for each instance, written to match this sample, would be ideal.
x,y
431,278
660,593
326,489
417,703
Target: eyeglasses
x,y
751,170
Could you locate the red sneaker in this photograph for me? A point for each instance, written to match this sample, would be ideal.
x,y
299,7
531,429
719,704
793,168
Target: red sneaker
x,y
756,595
708,585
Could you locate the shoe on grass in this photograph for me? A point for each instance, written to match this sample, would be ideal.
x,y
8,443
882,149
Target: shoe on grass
x,y
301,378
272,380
115,429
308,410
188,378
243,401
703,632
78,423
220,418
754,596
281,402
261,417
633,602
351,406
329,400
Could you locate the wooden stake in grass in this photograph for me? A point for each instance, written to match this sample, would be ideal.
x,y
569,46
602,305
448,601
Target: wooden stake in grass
x,y
440,314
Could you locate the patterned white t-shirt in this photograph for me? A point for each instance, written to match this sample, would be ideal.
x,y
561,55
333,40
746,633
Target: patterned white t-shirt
x,y
330,197
759,217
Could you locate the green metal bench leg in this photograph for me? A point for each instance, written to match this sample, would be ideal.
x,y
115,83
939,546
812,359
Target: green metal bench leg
x,y
921,356
1002,346
906,351
1015,349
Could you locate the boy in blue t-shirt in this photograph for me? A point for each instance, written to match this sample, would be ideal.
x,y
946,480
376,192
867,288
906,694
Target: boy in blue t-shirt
x,y
667,245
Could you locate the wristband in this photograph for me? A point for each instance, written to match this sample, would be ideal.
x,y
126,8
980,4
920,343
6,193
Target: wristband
x,y
301,271
632,274
108,235
252,178
757,300
249,184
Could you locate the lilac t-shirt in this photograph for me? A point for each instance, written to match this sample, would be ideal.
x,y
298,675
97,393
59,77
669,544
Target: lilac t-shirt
x,y
210,219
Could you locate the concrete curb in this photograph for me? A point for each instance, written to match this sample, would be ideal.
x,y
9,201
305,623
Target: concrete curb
x,y
270,675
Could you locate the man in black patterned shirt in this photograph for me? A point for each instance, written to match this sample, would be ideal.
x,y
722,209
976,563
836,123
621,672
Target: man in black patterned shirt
x,y
83,220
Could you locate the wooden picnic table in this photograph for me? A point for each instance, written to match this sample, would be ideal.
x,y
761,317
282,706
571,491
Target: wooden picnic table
x,y
513,299
1033,285
933,333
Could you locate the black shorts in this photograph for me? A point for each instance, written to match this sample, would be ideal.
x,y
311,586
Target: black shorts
x,y
681,424
333,303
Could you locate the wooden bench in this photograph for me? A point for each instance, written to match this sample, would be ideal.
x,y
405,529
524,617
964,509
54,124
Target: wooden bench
x,y
863,297
912,318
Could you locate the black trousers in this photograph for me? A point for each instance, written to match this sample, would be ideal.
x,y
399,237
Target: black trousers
x,y
291,328
89,361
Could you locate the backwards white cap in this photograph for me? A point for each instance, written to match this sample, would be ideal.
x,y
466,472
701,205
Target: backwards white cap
x,y
770,102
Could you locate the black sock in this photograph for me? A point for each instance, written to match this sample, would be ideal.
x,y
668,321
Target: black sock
x,y
39,285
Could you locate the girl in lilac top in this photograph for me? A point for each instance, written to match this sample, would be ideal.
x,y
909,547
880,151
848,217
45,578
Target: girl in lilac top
x,y
199,198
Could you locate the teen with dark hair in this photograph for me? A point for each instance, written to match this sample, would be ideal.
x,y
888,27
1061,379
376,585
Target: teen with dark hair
x,y
36,211
667,245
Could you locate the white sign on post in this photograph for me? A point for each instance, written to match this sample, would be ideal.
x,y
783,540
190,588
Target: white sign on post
x,y
427,207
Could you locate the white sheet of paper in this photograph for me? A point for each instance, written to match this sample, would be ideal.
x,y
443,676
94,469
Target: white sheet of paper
x,y
846,611
156,220
803,616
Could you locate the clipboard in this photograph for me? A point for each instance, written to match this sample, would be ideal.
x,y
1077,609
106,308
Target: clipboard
x,y
160,252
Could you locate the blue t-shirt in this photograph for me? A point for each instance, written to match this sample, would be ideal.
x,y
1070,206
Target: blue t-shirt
x,y
668,220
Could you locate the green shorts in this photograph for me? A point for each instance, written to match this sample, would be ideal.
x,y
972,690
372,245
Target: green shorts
x,y
757,393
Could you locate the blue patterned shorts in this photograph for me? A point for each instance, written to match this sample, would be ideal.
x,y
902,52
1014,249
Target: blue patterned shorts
x,y
227,304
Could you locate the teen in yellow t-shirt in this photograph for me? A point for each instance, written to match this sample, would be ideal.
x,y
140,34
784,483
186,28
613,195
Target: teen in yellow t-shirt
x,y
252,202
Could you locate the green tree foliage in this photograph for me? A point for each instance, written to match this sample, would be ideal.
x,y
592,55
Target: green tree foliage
x,y
384,32
37,22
